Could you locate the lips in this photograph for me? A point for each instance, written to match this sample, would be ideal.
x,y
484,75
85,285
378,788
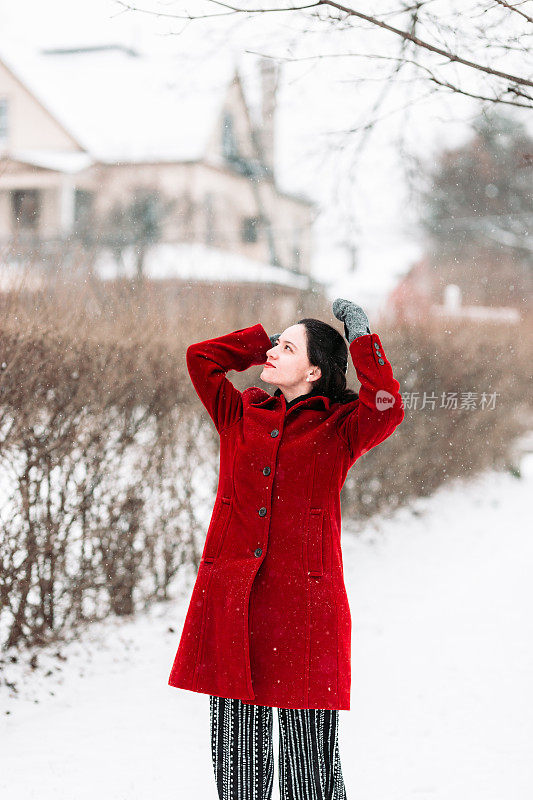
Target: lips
x,y
268,364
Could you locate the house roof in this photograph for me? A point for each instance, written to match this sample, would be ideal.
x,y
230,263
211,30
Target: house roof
x,y
122,106
67,162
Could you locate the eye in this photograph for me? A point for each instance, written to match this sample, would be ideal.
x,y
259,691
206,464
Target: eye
x,y
289,348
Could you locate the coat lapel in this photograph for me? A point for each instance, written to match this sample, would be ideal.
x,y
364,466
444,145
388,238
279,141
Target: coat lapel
x,y
312,400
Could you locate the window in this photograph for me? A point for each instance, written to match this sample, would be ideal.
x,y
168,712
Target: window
x,y
26,207
186,216
210,231
296,257
229,141
249,229
4,128
83,207
296,247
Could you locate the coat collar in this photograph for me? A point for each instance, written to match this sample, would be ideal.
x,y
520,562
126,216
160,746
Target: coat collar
x,y
312,399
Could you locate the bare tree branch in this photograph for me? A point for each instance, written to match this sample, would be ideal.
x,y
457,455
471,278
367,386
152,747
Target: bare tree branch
x,y
496,100
452,57
515,9
487,31
430,76
406,35
230,13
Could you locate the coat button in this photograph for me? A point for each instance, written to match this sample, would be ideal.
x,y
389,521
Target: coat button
x,y
381,361
262,511
257,552
274,433
376,345
266,470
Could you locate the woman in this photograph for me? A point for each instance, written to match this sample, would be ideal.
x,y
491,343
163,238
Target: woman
x,y
268,624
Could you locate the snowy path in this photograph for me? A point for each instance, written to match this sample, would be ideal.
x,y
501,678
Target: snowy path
x,y
442,666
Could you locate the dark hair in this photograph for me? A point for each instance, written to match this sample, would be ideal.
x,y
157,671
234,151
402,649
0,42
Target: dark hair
x,y
327,349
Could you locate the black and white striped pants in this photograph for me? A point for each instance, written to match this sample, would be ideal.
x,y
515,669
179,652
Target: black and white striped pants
x,y
242,749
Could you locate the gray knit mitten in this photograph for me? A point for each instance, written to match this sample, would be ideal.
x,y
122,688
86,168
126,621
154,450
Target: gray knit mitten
x,y
355,320
274,339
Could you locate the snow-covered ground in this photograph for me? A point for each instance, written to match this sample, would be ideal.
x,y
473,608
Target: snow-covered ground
x,y
442,665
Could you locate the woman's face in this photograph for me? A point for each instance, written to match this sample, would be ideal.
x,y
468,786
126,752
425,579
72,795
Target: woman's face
x,y
290,365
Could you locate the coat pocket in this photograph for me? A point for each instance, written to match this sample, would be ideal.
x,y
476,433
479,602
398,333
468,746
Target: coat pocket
x,y
217,530
314,542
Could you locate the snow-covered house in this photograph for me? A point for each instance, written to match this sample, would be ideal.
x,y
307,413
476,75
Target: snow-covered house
x,y
436,289
86,130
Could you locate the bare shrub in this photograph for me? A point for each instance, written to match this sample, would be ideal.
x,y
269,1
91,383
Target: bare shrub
x,y
109,463
435,362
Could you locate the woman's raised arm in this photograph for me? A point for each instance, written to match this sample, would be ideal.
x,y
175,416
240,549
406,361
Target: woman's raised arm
x,y
379,409
208,362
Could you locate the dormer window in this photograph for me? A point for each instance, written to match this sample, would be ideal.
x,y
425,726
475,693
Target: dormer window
x,y
229,141
4,128
249,229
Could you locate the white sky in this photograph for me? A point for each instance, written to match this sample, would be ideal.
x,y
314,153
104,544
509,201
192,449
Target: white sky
x,y
366,201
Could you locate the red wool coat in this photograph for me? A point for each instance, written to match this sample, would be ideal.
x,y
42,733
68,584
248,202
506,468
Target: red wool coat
x,y
268,621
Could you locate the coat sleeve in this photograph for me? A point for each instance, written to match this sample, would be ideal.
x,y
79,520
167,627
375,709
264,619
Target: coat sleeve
x,y
209,361
380,407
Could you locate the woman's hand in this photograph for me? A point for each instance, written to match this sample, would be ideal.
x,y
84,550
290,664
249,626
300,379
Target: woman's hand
x,y
355,320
